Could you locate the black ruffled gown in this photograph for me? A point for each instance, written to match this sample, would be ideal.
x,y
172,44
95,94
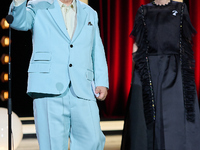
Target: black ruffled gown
x,y
163,110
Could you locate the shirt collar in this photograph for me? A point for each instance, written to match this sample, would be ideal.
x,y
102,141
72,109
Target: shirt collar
x,y
72,5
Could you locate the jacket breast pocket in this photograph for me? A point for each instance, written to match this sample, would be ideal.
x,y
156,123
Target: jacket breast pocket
x,y
39,68
42,56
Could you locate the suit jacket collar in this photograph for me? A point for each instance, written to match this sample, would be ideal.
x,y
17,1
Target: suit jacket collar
x,y
81,17
56,14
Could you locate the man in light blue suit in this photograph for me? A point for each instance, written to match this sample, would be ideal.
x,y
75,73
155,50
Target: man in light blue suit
x,y
68,58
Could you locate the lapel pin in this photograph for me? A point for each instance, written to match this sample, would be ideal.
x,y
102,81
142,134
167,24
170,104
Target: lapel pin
x,y
89,23
174,12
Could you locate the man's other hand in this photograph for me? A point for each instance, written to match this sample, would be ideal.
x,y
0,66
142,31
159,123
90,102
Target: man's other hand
x,y
103,91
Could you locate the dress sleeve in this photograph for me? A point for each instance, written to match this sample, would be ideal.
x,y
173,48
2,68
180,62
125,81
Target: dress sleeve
x,y
188,65
138,30
139,34
188,29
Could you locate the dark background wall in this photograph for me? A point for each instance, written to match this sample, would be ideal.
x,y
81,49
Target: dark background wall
x,y
21,51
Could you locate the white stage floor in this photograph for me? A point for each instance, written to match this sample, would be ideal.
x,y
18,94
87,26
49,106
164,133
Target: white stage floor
x,y
113,142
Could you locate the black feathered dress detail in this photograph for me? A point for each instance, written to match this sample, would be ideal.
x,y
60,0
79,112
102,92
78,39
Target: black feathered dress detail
x,y
162,110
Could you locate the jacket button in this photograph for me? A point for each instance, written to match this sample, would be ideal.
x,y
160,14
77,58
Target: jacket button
x,y
71,46
70,65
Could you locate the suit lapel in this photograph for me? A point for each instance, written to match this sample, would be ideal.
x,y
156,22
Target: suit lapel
x,y
56,14
81,17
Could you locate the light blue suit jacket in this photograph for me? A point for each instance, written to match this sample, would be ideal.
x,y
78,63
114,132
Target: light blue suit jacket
x,y
56,59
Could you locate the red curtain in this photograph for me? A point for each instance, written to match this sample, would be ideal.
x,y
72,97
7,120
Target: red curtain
x,y
116,23
195,18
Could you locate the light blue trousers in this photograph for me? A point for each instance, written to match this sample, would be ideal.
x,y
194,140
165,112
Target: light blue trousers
x,y
64,116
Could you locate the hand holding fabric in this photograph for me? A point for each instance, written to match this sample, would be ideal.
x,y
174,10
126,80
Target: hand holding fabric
x,y
103,91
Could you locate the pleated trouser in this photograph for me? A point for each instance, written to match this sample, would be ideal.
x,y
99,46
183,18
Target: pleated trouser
x,y
65,116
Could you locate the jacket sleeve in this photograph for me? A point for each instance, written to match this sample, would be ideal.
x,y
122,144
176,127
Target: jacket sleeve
x,y
23,16
99,59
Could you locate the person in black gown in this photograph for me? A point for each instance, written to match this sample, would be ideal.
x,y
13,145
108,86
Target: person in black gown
x,y
162,110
